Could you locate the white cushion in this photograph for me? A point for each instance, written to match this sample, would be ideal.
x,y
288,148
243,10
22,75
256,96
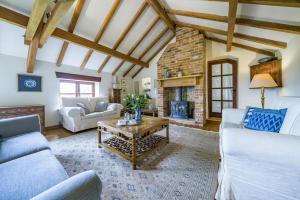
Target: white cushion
x,y
89,102
94,100
93,115
295,130
109,113
72,101
290,118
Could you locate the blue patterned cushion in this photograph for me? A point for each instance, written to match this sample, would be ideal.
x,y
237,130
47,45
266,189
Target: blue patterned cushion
x,y
264,119
248,114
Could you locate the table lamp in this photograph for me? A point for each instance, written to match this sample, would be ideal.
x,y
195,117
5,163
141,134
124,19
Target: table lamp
x,y
263,81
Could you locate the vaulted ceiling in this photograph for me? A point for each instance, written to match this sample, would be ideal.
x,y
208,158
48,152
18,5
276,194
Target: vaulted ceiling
x,y
122,36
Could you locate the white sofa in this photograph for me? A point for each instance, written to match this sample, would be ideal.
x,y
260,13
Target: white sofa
x,y
260,165
74,119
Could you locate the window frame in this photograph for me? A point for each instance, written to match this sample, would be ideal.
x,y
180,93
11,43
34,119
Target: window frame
x,y
77,87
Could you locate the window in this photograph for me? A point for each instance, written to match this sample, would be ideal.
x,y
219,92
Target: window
x,y
77,88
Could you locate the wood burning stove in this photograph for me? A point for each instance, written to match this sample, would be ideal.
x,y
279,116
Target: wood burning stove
x,y
179,108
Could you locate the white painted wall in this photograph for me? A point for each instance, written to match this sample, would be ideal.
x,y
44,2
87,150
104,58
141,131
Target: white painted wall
x,y
246,96
10,66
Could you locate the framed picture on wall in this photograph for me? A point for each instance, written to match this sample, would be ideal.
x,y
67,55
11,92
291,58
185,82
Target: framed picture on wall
x,y
123,82
29,83
124,91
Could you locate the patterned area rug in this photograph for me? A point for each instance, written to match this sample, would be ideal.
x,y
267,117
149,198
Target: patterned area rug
x,y
184,169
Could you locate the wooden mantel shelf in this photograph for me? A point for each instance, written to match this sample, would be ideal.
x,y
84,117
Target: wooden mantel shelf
x,y
183,81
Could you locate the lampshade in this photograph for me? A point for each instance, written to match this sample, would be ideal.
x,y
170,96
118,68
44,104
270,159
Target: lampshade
x,y
263,80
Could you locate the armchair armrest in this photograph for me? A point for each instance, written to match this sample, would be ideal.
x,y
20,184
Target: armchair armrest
x,y
114,106
265,146
19,125
83,186
233,116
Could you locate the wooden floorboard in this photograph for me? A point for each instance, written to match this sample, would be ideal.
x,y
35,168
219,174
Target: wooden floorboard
x,y
58,133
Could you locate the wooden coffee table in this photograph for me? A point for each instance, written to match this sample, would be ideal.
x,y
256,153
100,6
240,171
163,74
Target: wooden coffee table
x,y
134,143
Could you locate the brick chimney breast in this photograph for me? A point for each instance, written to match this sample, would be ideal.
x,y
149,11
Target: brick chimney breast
x,y
188,55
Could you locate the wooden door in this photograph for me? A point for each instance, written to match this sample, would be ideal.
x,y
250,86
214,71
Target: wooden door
x,y
222,86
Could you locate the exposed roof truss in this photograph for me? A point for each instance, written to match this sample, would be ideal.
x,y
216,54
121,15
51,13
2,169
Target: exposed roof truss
x,y
38,32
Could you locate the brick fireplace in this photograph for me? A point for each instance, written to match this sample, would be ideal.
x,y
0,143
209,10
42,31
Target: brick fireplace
x,y
187,55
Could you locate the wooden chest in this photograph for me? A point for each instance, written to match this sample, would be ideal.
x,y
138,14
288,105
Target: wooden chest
x,y
9,112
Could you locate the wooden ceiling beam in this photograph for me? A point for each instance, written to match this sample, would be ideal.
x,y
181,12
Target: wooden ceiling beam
x,y
155,54
71,28
101,31
269,25
33,48
162,13
22,20
265,41
141,9
70,37
133,48
201,28
241,21
282,3
213,17
37,15
152,44
260,51
57,14
260,40
13,17
231,22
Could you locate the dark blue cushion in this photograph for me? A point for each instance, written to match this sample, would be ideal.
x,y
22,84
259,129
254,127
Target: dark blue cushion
x,y
264,119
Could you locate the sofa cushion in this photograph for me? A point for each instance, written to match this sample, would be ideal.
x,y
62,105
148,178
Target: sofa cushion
x,y
84,107
100,114
248,114
30,175
230,125
21,145
265,119
108,113
72,101
19,125
101,106
93,115
94,100
295,130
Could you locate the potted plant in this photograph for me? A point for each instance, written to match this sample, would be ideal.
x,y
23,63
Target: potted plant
x,y
136,103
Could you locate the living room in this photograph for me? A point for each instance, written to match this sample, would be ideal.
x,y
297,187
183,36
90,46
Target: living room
x,y
149,99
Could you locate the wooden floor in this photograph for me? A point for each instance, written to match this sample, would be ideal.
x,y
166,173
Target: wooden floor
x,y
53,134
212,125
57,133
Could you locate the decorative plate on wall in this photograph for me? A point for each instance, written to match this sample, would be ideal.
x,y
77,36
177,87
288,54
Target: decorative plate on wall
x,y
29,83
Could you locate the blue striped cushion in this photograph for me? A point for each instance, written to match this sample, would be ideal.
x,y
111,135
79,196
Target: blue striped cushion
x,y
264,119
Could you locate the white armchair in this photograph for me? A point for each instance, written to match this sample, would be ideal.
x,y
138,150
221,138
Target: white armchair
x,y
74,118
260,165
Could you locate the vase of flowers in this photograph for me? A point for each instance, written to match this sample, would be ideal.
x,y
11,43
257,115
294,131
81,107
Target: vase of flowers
x,y
136,103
